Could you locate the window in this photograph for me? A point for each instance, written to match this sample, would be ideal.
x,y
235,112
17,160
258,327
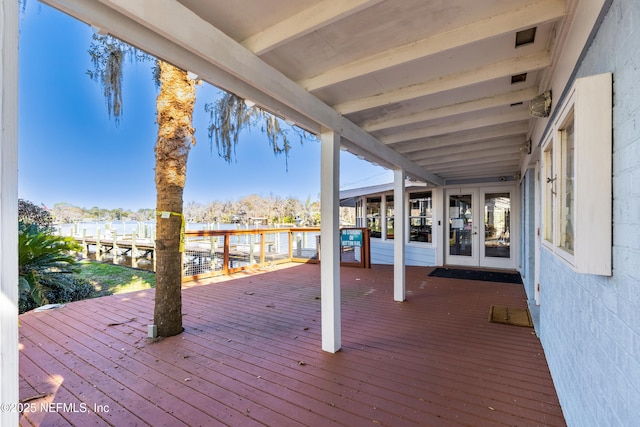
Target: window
x,y
420,217
373,216
389,217
576,181
549,180
360,213
567,211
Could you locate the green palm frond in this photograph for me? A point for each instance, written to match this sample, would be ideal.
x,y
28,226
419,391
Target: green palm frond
x,y
44,260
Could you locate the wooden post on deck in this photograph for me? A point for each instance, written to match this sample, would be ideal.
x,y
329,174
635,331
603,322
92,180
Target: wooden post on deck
x,y
399,225
9,342
134,259
251,238
114,247
212,254
85,247
225,257
330,306
98,246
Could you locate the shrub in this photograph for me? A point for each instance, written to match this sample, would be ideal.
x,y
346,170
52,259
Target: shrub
x,y
30,213
45,265
75,290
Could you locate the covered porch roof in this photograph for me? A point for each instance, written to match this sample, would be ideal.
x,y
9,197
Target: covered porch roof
x,y
349,197
439,89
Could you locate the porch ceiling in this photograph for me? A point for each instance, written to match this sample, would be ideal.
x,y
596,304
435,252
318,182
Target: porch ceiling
x,y
426,86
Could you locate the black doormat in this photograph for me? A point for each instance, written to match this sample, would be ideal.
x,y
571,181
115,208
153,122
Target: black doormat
x,y
487,276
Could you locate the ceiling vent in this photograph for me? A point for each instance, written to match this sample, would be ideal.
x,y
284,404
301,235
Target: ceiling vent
x,y
540,106
525,37
518,78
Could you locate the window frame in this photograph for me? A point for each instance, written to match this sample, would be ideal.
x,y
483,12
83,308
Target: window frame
x,y
567,165
378,210
373,216
588,107
421,197
389,224
549,177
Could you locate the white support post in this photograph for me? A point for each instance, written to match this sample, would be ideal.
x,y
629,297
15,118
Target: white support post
x,y
399,227
365,220
329,238
9,211
383,217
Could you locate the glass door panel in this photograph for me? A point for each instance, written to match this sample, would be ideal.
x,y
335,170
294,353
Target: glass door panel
x,y
460,220
497,225
478,231
462,229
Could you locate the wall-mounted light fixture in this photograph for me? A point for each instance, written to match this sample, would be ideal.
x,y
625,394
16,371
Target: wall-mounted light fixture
x,y
540,106
526,147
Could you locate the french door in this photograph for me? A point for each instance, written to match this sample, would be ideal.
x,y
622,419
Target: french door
x,y
478,227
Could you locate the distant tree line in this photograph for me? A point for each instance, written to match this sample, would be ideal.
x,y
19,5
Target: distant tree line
x,y
67,213
268,210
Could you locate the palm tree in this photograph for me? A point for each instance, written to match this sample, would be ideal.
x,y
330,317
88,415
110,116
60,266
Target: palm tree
x,y
175,102
175,137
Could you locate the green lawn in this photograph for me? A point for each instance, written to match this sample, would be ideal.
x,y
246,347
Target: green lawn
x,y
110,279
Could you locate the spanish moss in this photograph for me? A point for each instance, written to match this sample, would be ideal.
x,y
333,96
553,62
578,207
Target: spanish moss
x,y
107,55
229,115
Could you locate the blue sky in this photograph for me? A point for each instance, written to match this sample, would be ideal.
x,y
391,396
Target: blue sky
x,y
70,151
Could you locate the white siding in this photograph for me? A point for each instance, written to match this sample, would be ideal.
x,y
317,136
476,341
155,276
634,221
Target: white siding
x,y
415,254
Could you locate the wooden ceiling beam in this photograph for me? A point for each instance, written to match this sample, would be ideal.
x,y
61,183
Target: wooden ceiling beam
x,y
500,144
465,125
473,174
463,160
494,26
505,99
515,130
506,68
314,18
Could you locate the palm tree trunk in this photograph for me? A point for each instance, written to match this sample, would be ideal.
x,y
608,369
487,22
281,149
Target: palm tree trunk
x,y
175,104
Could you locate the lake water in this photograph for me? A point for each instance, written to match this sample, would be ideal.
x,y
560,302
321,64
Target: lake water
x,y
143,229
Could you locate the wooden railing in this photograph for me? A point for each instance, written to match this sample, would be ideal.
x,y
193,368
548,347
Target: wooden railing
x,y
210,253
214,252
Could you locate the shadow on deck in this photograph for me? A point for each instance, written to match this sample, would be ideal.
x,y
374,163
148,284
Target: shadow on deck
x,y
250,355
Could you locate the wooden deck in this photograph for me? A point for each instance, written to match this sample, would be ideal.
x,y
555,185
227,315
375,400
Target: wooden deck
x,y
250,356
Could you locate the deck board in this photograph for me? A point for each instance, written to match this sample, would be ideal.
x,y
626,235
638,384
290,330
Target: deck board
x,y
250,355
